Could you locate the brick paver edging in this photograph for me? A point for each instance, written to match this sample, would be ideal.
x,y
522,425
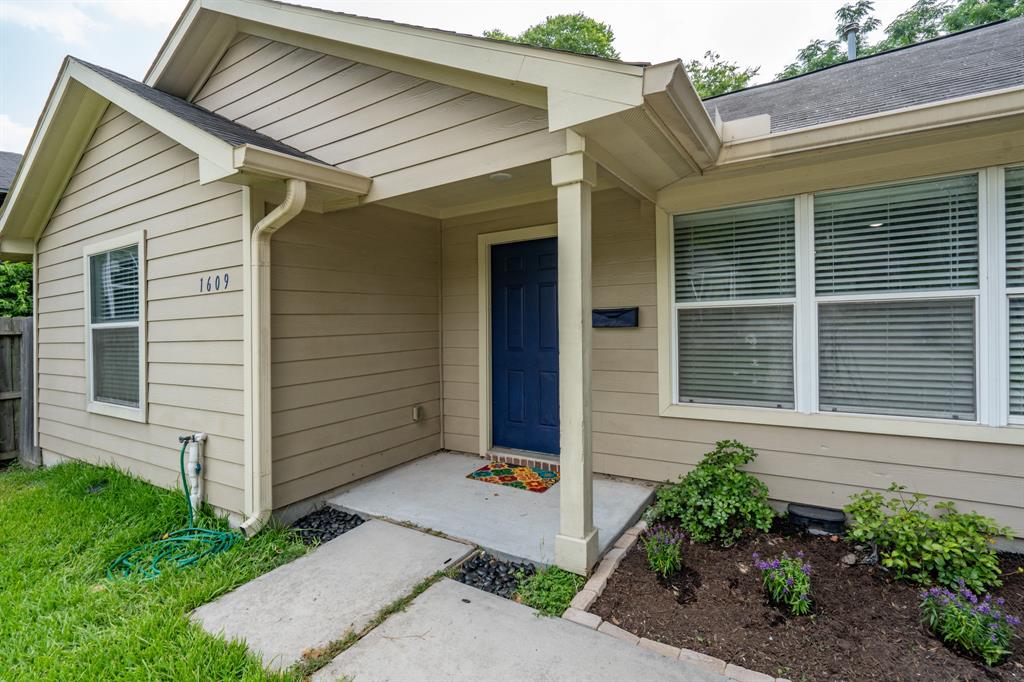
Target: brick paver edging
x,y
577,613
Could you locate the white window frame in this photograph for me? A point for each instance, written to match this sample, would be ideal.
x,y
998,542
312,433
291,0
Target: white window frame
x,y
991,331
138,414
1002,293
732,303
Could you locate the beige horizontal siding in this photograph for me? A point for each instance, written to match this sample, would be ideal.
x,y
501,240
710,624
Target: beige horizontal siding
x,y
631,439
133,178
354,347
360,117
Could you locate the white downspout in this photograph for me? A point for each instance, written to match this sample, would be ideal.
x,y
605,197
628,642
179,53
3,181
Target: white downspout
x,y
259,281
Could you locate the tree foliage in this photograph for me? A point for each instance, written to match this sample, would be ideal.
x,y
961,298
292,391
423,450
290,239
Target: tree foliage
x,y
716,76
571,32
15,289
924,20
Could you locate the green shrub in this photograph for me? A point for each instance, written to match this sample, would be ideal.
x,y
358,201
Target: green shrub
x,y
946,548
664,548
717,502
550,591
15,289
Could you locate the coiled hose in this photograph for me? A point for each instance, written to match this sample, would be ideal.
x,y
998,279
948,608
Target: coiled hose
x,y
182,547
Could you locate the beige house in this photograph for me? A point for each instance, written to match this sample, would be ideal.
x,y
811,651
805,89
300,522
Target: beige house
x,y
336,244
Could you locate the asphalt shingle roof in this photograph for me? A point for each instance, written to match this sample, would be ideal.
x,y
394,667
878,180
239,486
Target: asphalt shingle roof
x,y
8,167
967,63
233,133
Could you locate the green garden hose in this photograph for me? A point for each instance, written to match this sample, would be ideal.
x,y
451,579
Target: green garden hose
x,y
182,547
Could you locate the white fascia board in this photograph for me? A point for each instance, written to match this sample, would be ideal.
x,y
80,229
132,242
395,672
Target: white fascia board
x,y
267,163
507,62
674,106
172,42
962,110
70,106
16,249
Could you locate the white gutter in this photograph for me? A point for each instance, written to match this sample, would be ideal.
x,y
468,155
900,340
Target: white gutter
x,y
259,453
931,116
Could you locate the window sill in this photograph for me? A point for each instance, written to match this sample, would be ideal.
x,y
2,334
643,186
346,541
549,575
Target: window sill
x,y
893,426
135,414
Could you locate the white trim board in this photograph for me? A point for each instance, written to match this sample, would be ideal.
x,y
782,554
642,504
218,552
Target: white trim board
x,y
484,244
138,414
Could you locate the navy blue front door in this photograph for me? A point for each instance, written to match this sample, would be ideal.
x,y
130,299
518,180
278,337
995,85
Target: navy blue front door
x,y
524,345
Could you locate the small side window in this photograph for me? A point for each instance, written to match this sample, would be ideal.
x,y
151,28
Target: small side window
x,y
115,341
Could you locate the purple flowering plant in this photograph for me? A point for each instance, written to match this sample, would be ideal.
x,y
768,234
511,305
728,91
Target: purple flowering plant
x,y
978,626
664,545
787,580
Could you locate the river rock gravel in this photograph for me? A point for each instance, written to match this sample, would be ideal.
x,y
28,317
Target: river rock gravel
x,y
325,524
491,574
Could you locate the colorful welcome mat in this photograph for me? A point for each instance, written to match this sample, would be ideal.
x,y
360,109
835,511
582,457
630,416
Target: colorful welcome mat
x,y
527,478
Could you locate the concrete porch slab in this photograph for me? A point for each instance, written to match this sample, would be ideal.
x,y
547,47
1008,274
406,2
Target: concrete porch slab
x,y
433,492
336,588
455,632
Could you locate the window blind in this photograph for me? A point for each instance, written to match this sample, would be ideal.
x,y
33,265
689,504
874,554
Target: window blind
x,y
914,236
736,355
114,280
116,365
1017,356
735,253
1015,227
911,358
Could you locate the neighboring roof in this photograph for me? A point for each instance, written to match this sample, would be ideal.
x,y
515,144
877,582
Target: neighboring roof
x,y
224,129
967,63
8,167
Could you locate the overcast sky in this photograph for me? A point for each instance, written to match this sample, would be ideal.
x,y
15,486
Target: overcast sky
x,y
124,35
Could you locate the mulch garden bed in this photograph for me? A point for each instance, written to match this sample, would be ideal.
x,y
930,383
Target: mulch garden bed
x,y
325,524
863,626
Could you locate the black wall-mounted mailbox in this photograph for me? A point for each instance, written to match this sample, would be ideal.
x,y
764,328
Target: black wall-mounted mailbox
x,y
615,317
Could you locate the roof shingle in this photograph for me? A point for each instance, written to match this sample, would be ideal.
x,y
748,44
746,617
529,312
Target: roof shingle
x,y
967,63
224,129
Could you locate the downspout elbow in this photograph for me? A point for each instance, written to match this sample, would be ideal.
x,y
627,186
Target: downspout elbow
x,y
294,202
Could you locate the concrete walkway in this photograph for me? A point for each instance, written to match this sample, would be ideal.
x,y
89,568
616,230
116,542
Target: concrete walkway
x,y
454,632
320,597
433,492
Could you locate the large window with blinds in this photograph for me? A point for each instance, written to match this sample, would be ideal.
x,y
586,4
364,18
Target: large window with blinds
x,y
735,287
896,281
903,300
115,366
1014,236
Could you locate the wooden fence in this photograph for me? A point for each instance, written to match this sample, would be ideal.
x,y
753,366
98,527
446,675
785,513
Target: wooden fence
x,y
16,390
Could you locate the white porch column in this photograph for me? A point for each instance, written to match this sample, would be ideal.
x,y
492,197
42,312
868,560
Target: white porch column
x,y
576,543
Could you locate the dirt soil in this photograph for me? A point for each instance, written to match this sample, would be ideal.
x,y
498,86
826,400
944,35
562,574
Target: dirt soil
x,y
863,626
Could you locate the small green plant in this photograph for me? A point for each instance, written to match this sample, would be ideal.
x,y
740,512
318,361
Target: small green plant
x,y
976,626
15,289
549,591
717,502
787,581
946,548
664,547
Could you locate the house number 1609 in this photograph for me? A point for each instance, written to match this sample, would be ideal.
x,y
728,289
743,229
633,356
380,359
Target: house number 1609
x,y
213,283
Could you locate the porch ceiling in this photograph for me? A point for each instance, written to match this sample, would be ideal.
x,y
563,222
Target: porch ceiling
x,y
525,184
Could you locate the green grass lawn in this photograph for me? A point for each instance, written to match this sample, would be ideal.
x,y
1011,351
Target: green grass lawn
x,y
62,619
